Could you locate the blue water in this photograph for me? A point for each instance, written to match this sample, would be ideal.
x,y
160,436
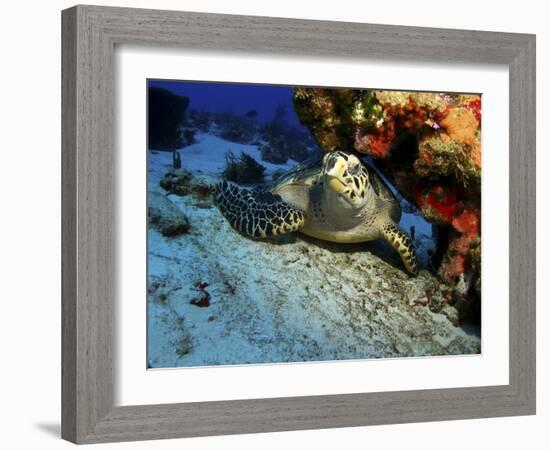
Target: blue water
x,y
237,98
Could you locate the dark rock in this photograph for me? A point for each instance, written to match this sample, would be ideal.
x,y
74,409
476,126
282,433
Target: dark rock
x,y
166,113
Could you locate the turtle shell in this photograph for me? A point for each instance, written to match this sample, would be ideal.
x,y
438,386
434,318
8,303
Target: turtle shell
x,y
306,173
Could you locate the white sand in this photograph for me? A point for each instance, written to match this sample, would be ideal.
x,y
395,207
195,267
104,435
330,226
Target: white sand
x,y
296,301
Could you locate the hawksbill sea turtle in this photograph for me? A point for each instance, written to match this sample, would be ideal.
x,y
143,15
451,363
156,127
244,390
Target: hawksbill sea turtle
x,y
337,198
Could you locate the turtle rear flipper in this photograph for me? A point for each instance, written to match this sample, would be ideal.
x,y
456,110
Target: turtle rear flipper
x,y
403,244
257,214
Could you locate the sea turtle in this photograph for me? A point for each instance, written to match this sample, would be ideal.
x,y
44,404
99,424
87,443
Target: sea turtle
x,y
336,198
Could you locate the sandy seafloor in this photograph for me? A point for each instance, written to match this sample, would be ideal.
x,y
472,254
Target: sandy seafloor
x,y
272,302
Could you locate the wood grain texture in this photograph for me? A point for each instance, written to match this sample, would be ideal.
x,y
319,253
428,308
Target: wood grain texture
x,y
89,36
68,225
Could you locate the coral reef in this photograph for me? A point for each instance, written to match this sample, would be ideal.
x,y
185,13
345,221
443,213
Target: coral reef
x,y
329,114
428,145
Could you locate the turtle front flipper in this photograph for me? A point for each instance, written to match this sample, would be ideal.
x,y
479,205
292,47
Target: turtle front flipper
x,y
256,214
403,244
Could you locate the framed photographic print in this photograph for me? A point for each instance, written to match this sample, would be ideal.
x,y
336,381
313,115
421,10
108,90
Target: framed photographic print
x,y
265,229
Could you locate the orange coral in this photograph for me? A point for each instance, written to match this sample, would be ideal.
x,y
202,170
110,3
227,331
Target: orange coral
x,y
475,152
461,125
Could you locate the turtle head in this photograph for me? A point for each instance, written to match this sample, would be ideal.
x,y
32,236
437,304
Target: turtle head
x,y
346,179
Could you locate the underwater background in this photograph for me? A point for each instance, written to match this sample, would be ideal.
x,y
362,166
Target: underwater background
x,y
217,297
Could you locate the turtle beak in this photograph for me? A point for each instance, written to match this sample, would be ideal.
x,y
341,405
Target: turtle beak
x,y
332,169
335,184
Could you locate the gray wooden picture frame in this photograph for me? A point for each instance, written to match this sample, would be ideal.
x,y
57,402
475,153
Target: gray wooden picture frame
x,y
90,34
